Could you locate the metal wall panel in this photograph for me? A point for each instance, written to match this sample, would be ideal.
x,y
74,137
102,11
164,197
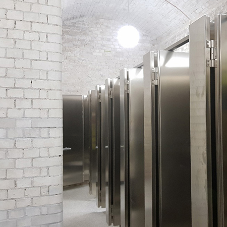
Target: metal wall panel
x,y
93,142
73,138
174,140
132,147
200,126
86,137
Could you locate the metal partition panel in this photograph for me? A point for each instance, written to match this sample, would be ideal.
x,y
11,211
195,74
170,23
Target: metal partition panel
x,y
132,147
174,141
221,117
86,137
136,148
112,110
200,123
116,151
124,114
108,149
149,140
93,140
90,141
98,138
102,151
73,138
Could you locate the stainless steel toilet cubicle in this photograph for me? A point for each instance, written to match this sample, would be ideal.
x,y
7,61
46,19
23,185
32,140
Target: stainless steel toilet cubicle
x,y
112,147
208,81
132,147
97,157
73,139
167,139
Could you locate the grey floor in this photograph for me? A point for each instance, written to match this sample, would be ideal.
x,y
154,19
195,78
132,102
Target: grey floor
x,y
80,208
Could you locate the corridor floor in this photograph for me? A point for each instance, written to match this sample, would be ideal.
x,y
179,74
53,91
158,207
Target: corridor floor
x,y
80,208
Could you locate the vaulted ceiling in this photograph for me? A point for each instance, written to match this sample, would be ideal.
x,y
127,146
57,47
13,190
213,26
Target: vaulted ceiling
x,y
153,17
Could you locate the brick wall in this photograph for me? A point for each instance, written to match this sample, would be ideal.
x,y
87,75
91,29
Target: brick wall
x,y
30,113
92,53
211,9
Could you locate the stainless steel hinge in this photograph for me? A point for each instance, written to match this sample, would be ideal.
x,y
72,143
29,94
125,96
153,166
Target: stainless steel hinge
x,y
99,97
127,86
111,210
111,93
155,76
212,45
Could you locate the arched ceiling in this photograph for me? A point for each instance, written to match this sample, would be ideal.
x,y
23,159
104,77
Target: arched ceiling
x,y
153,17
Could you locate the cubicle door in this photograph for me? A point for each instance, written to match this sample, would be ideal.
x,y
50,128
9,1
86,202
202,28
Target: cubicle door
x,y
209,126
102,150
73,139
116,151
174,140
221,118
93,142
150,140
124,152
200,123
108,149
86,136
132,148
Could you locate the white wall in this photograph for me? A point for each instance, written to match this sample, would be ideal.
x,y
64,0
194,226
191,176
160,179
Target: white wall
x,y
92,53
30,113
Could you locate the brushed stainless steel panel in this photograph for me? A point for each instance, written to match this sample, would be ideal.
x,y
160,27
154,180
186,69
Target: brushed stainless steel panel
x,y
149,140
93,140
136,148
221,117
102,151
112,98
174,140
200,123
98,138
116,152
86,137
132,147
124,114
108,149
73,138
90,141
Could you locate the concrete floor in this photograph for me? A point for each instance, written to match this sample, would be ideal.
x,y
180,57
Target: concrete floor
x,y
80,208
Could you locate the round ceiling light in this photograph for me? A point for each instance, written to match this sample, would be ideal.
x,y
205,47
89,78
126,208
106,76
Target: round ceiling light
x,y
128,37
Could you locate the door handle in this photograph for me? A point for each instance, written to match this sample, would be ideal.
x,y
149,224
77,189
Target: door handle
x,y
67,149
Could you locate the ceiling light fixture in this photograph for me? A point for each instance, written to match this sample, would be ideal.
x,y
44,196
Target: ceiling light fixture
x,y
128,36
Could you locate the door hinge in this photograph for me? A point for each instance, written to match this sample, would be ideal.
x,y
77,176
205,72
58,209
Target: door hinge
x,y
155,76
111,93
111,210
127,86
212,45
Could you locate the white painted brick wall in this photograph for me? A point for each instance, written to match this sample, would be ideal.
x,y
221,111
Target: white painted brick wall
x,y
31,129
